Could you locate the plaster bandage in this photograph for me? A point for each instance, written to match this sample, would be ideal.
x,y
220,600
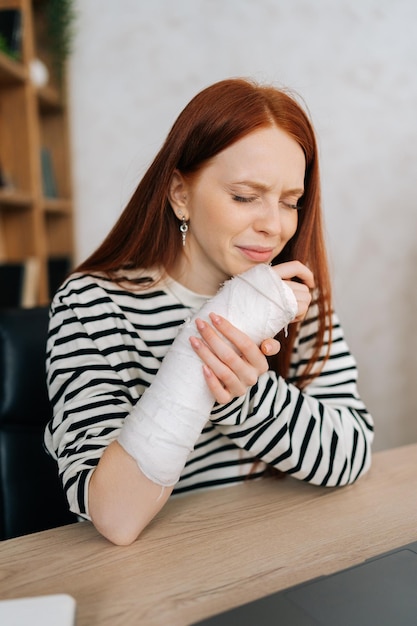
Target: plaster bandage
x,y
165,424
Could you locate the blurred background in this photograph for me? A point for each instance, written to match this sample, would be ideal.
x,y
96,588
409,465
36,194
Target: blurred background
x,y
134,66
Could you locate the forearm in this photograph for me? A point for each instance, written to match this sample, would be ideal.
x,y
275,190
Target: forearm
x,y
165,424
122,500
322,434
298,434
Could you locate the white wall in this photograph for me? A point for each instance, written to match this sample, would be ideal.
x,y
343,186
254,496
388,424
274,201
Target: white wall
x,y
135,65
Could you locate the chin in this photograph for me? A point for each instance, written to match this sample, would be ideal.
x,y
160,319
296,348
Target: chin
x,y
243,267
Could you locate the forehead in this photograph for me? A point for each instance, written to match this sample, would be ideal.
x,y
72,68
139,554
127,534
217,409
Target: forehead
x,y
268,154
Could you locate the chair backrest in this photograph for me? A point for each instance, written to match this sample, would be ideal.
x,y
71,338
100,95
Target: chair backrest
x,y
31,496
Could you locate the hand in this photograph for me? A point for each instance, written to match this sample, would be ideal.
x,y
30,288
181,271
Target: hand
x,y
232,362
301,280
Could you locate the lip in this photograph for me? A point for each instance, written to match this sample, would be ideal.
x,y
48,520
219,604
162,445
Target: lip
x,y
256,253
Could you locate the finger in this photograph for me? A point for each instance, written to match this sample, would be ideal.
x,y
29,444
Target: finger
x,y
242,343
221,380
303,296
270,346
237,366
295,269
232,370
219,392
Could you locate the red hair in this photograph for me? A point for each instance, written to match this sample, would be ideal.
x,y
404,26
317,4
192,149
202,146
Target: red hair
x,y
146,234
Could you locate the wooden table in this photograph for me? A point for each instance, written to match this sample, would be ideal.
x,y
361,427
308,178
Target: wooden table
x,y
211,551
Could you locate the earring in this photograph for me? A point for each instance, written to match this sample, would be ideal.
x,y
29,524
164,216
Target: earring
x,y
183,229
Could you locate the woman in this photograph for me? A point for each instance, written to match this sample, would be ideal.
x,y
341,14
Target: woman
x,y
234,190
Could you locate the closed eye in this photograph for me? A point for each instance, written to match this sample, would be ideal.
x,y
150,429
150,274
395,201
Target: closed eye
x,y
244,198
290,205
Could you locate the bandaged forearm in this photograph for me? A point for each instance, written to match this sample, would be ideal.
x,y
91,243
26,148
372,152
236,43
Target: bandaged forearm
x,y
165,424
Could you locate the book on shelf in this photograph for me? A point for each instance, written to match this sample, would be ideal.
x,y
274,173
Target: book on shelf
x,y
11,32
48,174
19,281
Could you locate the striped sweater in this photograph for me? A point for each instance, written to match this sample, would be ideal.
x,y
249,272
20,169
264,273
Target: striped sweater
x,y
105,346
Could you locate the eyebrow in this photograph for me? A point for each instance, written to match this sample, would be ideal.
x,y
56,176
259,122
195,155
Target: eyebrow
x,y
262,187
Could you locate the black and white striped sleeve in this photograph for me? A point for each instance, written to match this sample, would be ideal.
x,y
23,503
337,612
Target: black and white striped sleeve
x,y
322,434
93,380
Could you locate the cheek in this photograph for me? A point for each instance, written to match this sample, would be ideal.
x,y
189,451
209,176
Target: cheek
x,y
215,221
291,223
206,227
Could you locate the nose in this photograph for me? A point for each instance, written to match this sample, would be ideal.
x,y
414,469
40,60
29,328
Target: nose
x,y
269,219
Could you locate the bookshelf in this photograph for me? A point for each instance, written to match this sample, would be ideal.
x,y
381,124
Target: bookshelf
x,y
36,211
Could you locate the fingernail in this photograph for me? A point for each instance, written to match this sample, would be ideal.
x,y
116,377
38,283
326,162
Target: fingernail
x,y
215,318
207,371
196,343
200,324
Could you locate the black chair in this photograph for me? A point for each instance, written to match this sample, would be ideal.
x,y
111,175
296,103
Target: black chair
x,y
31,496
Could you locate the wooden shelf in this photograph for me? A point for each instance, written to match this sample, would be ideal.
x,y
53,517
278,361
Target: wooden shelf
x,y
9,198
34,155
50,100
57,206
11,71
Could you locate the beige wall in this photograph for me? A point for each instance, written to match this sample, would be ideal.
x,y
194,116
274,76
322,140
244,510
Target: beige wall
x,y
136,64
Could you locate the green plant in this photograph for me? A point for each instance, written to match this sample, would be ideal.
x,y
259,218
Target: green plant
x,y
3,45
6,50
60,18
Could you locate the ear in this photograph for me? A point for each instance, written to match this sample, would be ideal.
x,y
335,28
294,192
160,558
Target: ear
x,y
177,195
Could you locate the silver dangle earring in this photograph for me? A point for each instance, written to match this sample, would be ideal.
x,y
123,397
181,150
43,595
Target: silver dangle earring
x,y
183,229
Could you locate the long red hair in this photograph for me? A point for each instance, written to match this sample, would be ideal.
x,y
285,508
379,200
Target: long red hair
x,y
146,234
